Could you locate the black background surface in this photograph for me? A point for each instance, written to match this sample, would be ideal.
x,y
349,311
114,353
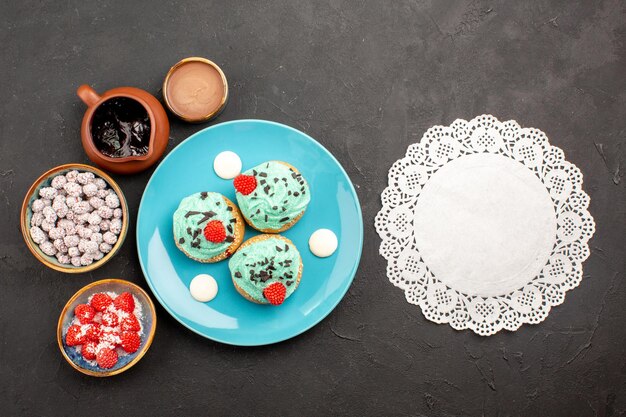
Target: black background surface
x,y
366,79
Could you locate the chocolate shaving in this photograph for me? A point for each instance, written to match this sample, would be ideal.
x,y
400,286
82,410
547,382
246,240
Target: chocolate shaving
x,y
204,195
254,172
229,228
284,219
275,180
262,182
295,194
189,231
288,283
279,249
233,220
229,208
229,239
207,216
266,218
287,249
237,274
191,213
181,240
263,174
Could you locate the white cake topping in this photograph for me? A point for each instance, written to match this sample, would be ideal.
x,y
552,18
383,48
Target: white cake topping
x,y
227,165
203,288
323,243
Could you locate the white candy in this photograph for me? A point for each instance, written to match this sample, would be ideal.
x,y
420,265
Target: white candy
x,y
69,215
71,200
73,189
37,205
90,190
96,202
117,213
71,241
100,183
94,219
81,207
46,225
73,251
63,258
49,214
71,176
36,219
116,226
75,260
104,225
105,247
48,248
94,228
90,247
105,212
56,233
61,210
84,232
109,238
112,201
82,218
97,255
47,203
96,237
60,245
102,193
48,193
38,235
58,182
86,259
60,198
85,177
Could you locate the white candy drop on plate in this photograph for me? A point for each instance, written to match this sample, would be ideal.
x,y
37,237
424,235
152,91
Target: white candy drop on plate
x,y
203,288
227,165
323,243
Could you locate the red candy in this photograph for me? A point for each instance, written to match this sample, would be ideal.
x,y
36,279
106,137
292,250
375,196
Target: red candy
x,y
125,302
131,324
106,358
130,341
85,313
74,336
214,231
101,301
244,184
88,350
275,293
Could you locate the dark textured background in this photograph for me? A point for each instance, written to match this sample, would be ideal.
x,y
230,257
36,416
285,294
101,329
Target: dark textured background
x,y
366,79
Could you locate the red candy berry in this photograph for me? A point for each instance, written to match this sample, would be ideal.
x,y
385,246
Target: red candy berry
x,y
130,324
130,341
100,301
245,184
125,302
106,358
93,332
74,336
88,350
85,313
109,319
214,231
275,293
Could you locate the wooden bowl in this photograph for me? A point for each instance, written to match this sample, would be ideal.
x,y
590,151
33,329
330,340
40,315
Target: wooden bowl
x,y
26,214
148,323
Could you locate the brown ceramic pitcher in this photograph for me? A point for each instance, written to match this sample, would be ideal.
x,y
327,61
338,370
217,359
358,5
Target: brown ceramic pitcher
x,y
159,129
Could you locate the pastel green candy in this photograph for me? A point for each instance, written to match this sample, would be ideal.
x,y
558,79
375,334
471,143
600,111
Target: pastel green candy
x,y
280,196
190,219
263,262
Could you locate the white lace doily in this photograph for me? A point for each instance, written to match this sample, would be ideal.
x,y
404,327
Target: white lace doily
x,y
484,225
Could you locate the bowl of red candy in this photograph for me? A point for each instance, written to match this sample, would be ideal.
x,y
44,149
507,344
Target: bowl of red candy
x,y
106,327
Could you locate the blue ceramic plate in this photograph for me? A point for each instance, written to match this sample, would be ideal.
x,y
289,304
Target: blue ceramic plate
x,y
229,318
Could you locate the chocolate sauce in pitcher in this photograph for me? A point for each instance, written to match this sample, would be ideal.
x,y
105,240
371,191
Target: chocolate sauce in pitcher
x,y
120,127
